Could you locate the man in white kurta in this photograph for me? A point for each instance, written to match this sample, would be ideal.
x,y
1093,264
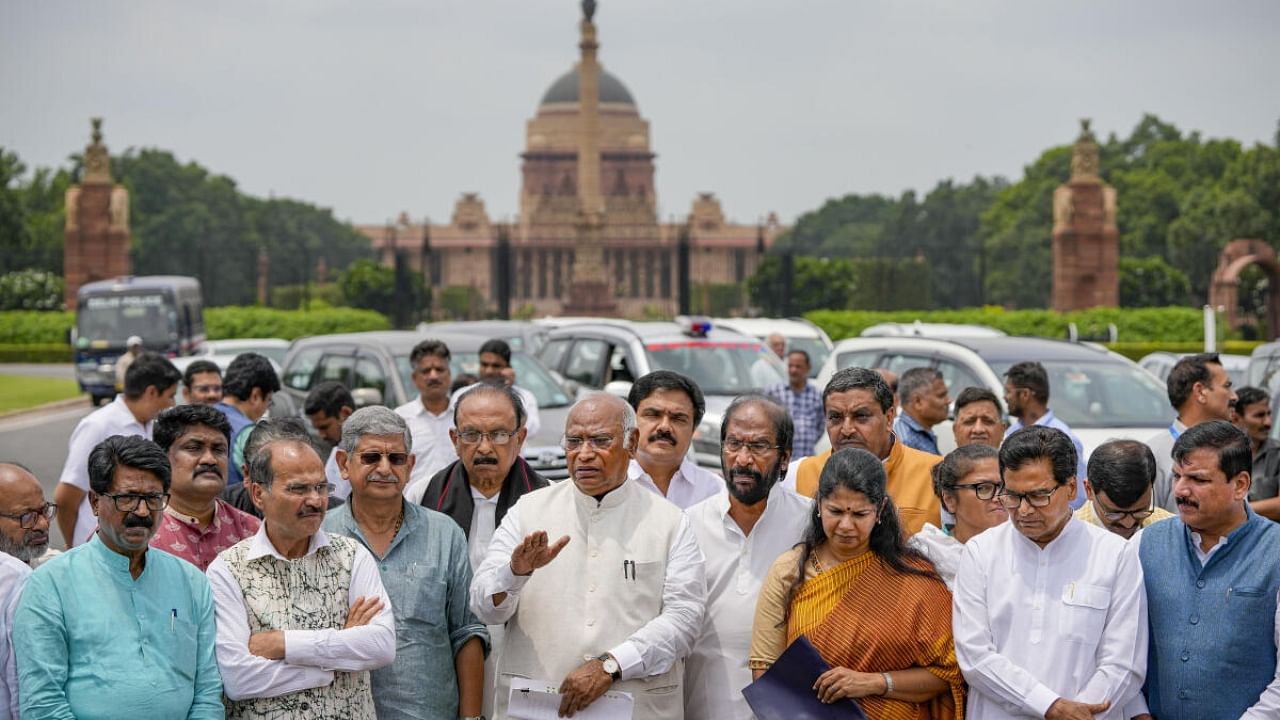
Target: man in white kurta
x,y
741,530
1050,613
600,581
669,406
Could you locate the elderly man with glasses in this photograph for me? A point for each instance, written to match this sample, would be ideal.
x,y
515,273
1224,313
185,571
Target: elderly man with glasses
x,y
1050,615
422,556
115,628
25,517
599,580
1121,488
302,615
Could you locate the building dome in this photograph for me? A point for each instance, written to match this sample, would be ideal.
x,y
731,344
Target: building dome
x,y
565,89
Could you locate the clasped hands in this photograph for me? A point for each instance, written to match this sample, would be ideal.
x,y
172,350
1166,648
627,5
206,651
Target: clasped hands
x,y
270,643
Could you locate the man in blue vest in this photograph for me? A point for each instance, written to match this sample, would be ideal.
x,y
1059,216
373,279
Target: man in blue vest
x,y
1212,581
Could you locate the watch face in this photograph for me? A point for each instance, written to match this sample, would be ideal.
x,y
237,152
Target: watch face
x,y
611,666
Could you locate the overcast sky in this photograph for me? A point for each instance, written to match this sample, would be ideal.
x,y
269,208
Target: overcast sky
x,y
379,106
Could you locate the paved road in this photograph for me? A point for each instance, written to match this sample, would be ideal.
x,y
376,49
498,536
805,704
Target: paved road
x,y
53,370
39,441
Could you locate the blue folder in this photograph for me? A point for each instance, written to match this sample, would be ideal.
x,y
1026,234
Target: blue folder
x,y
785,691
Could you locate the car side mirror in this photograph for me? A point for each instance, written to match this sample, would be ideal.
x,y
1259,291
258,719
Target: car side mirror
x,y
364,397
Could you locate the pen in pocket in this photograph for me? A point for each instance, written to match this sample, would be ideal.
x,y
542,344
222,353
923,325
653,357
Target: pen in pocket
x,y
173,618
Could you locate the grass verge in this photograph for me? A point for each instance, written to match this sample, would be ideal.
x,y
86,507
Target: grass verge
x,y
19,392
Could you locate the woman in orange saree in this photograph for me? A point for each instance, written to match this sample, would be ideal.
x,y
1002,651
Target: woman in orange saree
x,y
874,609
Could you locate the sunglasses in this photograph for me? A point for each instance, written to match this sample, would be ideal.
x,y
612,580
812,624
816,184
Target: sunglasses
x,y
374,458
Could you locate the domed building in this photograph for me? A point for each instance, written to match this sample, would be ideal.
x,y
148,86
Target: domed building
x,y
469,256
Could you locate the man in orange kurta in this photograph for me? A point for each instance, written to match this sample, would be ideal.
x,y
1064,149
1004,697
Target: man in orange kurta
x,y
858,406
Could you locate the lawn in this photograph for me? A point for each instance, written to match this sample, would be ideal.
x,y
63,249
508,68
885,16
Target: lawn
x,y
18,392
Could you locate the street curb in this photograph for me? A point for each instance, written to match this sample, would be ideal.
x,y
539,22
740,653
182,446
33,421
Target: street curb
x,y
56,405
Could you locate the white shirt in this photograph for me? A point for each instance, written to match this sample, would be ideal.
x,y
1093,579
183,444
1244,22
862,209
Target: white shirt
x,y
484,521
13,576
532,421
332,473
1033,625
112,419
651,650
311,656
431,443
943,550
689,486
716,670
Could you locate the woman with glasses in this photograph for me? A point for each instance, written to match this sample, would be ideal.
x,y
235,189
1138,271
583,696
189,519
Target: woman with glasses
x,y
965,482
873,607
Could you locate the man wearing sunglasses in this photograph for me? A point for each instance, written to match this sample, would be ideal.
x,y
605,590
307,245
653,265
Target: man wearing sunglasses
x,y
25,517
1122,475
1050,615
115,628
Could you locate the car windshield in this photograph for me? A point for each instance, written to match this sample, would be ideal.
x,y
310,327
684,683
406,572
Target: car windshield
x,y
817,352
271,352
720,368
1103,394
529,375
111,319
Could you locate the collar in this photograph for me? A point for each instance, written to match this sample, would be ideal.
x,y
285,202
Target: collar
x,y
1068,532
636,471
615,498
896,454
344,522
478,497
191,521
117,563
261,545
913,423
421,409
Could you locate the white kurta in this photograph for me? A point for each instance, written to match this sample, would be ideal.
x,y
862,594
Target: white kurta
x,y
431,444
716,670
689,486
1033,625
584,604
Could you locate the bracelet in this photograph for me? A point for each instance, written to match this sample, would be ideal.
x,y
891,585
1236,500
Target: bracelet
x,y
888,683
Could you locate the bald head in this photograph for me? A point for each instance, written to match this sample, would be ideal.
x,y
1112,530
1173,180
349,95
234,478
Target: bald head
x,y
778,344
599,438
20,494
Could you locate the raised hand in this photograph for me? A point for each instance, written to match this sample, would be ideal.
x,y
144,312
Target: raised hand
x,y
534,552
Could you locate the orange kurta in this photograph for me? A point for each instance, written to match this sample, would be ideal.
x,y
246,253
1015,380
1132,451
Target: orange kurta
x,y
909,484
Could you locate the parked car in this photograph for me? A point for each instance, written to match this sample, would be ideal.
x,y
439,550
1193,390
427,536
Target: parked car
x,y
376,367
272,348
800,334
526,336
933,330
611,355
1099,393
1160,363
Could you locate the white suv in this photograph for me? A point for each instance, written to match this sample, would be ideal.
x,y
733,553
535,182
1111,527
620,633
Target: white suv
x,y
1100,394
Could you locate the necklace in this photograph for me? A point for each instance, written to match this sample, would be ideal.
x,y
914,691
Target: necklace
x,y
399,520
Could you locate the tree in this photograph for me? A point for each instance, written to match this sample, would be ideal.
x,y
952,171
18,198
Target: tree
x,y
818,283
1152,282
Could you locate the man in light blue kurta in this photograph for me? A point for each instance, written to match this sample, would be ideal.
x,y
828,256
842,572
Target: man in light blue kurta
x,y
113,629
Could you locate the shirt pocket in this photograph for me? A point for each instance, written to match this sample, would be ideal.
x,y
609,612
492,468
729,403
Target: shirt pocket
x,y
1084,612
418,597
183,649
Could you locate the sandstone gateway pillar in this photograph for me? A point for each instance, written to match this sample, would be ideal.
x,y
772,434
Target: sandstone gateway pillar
x,y
96,234
1086,244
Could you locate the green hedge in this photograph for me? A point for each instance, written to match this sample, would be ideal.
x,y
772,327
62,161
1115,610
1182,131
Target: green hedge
x,y
35,326
1164,325
1137,350
242,322
27,327
35,353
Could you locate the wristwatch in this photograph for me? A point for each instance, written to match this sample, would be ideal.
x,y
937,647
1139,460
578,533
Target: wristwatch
x,y
611,666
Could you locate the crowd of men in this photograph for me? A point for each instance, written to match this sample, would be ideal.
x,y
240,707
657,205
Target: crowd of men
x,y
219,565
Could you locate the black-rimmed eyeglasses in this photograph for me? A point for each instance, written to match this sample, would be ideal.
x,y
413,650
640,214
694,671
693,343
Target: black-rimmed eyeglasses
x,y
27,520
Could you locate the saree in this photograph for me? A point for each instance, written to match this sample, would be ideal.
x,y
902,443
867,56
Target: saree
x,y
865,616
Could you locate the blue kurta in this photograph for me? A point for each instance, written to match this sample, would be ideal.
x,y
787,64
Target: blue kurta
x,y
92,642
427,576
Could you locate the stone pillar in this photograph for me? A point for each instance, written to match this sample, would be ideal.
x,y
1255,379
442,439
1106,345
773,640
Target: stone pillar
x,y
96,231
589,290
1086,244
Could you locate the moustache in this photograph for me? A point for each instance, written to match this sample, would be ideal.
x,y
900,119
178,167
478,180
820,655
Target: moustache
x,y
662,435
310,510
1188,502
36,537
213,469
484,460
382,478
746,473
132,521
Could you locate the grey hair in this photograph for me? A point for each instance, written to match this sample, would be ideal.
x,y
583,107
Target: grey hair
x,y
628,413
373,420
260,471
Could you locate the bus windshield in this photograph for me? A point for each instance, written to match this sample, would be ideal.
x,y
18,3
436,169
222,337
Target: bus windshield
x,y
109,320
